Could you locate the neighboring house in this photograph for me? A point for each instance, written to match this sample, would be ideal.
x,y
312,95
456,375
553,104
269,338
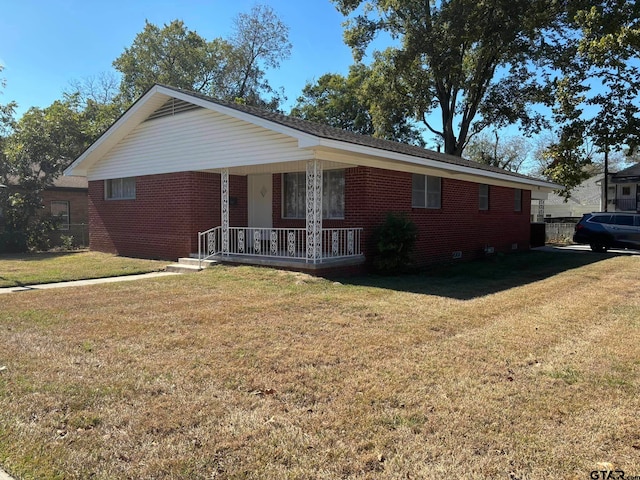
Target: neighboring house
x,y
585,198
624,190
272,189
67,200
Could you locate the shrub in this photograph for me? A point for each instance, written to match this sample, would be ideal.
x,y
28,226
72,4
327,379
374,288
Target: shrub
x,y
394,241
38,234
13,242
66,242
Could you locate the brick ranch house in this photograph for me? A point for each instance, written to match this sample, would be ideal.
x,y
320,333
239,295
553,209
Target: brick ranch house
x,y
181,173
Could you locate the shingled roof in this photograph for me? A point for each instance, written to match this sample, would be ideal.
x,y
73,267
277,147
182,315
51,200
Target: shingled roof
x,y
630,174
332,133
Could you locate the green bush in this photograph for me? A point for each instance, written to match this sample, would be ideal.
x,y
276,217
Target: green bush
x,y
394,241
66,242
38,234
13,242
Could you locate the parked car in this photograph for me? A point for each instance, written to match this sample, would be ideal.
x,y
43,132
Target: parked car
x,y
604,230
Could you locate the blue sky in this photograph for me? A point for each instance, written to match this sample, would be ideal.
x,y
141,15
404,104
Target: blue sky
x,y
45,44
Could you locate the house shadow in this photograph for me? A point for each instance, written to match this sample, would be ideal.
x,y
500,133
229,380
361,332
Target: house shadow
x,y
466,281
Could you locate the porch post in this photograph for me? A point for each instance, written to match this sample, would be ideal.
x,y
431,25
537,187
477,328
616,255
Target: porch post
x,y
314,211
224,202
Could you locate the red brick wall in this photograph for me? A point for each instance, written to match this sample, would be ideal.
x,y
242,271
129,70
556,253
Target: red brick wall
x,y
458,225
78,213
78,204
169,210
165,217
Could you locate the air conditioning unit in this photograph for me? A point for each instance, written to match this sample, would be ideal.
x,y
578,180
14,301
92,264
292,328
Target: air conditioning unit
x,y
514,246
489,250
457,254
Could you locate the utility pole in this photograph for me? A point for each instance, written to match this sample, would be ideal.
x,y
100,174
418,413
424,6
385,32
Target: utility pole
x,y
606,176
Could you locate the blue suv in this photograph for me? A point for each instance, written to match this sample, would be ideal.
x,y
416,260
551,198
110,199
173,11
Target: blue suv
x,y
604,230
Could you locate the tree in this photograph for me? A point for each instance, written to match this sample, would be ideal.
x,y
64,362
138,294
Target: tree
x,y
98,97
472,61
6,112
597,89
259,41
357,103
230,69
6,125
335,100
171,55
490,149
42,144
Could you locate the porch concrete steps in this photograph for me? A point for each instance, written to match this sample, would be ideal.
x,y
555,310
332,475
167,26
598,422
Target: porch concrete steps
x,y
189,265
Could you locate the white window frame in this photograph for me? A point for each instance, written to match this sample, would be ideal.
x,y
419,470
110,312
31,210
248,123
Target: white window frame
x,y
426,191
483,196
64,218
120,188
333,195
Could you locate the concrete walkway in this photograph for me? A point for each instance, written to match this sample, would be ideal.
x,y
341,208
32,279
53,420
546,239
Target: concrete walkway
x,y
584,249
82,283
4,475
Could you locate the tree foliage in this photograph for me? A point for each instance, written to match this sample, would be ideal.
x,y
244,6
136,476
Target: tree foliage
x,y
231,69
358,103
488,148
448,57
260,41
6,123
597,89
172,55
42,144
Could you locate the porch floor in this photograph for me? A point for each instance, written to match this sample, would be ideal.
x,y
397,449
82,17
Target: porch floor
x,y
288,263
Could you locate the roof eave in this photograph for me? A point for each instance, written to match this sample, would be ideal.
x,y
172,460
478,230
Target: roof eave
x,y
540,185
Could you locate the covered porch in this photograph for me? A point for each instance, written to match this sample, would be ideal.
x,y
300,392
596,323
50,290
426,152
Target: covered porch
x,y
299,240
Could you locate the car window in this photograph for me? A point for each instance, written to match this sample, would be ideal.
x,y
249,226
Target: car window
x,y
637,222
601,219
624,219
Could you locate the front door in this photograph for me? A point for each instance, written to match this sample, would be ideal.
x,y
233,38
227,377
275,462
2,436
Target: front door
x,y
260,200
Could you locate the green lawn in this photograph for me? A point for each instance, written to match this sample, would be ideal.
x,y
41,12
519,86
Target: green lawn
x,y
34,268
519,367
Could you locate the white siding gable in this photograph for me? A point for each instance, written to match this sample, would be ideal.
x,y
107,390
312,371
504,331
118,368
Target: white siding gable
x,y
196,140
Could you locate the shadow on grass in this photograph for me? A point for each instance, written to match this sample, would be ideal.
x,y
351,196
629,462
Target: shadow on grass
x,y
464,281
38,256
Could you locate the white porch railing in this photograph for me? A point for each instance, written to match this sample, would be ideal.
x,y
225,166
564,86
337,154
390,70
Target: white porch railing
x,y
284,243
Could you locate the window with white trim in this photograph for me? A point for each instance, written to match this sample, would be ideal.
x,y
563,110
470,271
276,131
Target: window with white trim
x,y
426,191
517,200
60,211
120,188
294,194
483,196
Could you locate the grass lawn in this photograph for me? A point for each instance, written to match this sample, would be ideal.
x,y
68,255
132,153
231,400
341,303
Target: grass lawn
x,y
33,268
525,367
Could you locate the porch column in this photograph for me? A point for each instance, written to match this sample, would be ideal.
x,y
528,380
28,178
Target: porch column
x,y
314,211
540,211
224,202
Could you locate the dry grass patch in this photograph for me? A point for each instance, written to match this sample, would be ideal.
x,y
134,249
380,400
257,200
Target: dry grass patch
x,y
34,268
254,373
